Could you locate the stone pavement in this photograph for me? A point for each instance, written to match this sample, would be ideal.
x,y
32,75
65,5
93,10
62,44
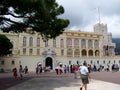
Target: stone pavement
x,y
36,84
62,82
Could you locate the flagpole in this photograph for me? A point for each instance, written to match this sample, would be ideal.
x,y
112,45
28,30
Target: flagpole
x,y
99,14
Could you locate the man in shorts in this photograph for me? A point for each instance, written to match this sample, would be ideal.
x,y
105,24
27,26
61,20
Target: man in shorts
x,y
84,75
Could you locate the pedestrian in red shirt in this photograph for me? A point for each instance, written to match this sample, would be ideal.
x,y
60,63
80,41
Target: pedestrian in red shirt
x,y
75,68
15,73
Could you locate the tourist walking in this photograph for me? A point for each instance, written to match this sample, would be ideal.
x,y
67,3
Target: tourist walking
x,y
37,69
65,69
75,68
60,70
57,69
84,75
26,69
21,71
15,73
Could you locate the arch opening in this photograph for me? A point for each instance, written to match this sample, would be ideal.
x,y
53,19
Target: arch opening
x,y
49,62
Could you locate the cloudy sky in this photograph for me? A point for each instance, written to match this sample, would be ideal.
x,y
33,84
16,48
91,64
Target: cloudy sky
x,y
83,14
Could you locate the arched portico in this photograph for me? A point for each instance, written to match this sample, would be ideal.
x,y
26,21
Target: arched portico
x,y
49,62
49,58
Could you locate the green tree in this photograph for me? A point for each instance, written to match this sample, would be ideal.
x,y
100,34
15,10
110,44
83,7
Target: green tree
x,y
42,16
5,45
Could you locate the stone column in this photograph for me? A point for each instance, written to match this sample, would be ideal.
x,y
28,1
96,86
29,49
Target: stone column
x,y
86,41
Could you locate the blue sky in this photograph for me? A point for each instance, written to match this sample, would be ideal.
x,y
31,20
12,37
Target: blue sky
x,y
83,14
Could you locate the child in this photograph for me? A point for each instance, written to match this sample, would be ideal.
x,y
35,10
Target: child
x,y
15,73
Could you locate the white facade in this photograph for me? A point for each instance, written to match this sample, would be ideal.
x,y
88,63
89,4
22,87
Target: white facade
x,y
107,39
71,47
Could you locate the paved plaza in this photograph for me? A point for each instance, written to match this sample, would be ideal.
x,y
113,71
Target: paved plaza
x,y
51,81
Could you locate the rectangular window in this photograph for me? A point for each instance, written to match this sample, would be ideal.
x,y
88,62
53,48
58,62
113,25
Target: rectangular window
x,y
109,62
104,62
38,51
24,51
24,41
91,61
61,43
62,52
114,61
97,62
69,62
69,42
30,51
54,42
46,43
31,41
13,62
38,42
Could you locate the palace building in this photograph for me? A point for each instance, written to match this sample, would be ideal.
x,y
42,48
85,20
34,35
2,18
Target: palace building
x,y
71,47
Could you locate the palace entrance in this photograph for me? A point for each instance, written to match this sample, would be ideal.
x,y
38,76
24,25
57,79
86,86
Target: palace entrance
x,y
49,62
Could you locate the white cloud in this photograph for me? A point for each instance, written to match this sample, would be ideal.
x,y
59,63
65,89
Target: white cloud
x,y
83,14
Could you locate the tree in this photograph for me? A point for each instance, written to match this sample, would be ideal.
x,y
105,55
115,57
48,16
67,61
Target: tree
x,y
5,45
39,15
